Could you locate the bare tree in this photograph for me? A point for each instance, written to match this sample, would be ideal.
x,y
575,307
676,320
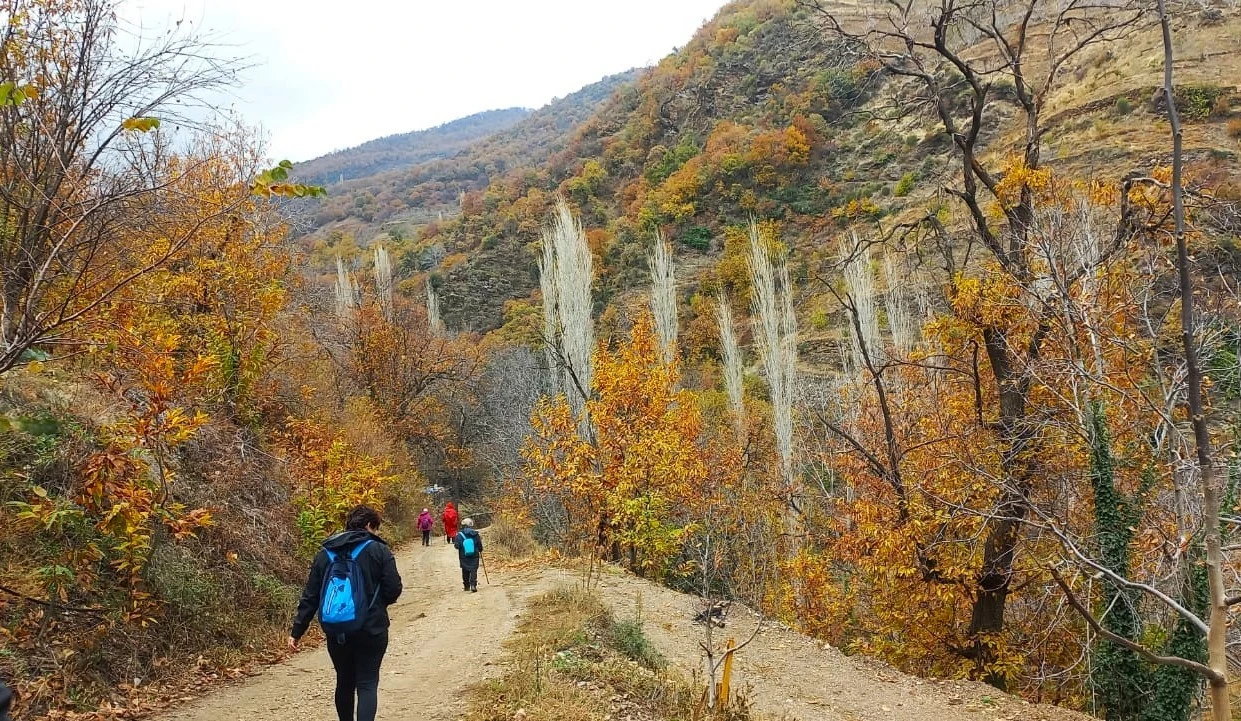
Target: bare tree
x,y
551,310
1217,627
83,164
346,294
902,322
732,365
571,265
947,56
383,281
509,388
435,319
859,280
870,370
1216,624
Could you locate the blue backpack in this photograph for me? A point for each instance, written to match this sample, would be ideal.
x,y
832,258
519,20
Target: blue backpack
x,y
342,602
468,546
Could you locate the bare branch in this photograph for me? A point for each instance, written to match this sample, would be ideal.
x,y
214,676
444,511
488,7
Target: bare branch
x,y
1198,668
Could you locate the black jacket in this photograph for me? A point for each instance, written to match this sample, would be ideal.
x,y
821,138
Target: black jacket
x,y
470,562
6,698
378,570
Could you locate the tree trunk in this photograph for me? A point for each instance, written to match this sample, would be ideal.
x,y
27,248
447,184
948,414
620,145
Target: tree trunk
x,y
1000,547
1217,624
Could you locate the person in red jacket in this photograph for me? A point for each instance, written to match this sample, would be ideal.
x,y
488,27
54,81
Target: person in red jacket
x,y
450,521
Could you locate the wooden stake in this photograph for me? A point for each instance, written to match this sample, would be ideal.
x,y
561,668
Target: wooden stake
x,y
721,701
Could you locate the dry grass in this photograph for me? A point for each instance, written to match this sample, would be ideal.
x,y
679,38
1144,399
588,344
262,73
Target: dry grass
x,y
511,538
572,661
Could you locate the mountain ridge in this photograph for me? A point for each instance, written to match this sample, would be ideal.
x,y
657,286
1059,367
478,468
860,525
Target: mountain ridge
x,y
419,192
410,148
765,114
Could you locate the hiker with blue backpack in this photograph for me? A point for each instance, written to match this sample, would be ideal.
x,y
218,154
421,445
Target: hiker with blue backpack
x,y
469,552
352,582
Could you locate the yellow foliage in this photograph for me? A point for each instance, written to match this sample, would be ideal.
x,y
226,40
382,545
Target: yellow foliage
x,y
630,472
330,477
1018,178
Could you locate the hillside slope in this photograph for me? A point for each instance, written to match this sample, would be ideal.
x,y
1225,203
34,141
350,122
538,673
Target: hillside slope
x,y
408,189
766,114
400,151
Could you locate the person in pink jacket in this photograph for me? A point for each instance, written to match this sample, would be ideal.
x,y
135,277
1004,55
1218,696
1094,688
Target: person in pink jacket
x,y
425,522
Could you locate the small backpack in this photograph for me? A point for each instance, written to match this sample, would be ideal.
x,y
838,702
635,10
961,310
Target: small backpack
x,y
342,601
468,547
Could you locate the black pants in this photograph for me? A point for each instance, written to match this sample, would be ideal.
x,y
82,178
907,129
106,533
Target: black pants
x,y
469,577
426,537
357,673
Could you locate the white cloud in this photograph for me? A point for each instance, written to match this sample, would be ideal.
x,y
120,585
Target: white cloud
x,y
331,75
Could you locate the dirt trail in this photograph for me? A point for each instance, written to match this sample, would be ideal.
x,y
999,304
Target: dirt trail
x,y
433,624
791,676
788,676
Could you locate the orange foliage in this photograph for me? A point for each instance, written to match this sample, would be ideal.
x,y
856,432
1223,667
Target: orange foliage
x,y
329,476
631,475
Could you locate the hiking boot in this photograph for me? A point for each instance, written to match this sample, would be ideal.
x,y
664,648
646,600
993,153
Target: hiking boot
x,y
474,590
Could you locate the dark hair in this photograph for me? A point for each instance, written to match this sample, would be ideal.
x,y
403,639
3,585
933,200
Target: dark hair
x,y
361,518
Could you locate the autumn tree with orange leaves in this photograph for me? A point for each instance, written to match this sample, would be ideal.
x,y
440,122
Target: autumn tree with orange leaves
x,y
631,488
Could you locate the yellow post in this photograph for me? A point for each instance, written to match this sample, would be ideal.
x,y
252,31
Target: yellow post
x,y
721,701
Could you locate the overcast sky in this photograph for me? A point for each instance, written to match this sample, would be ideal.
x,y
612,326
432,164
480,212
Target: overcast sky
x,y
333,74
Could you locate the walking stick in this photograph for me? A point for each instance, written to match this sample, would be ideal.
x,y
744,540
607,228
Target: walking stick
x,y
482,560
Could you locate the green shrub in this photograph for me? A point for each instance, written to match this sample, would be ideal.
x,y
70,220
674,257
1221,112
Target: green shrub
x,y
904,185
698,238
629,638
662,162
1123,106
279,597
1196,102
1225,370
176,577
819,319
